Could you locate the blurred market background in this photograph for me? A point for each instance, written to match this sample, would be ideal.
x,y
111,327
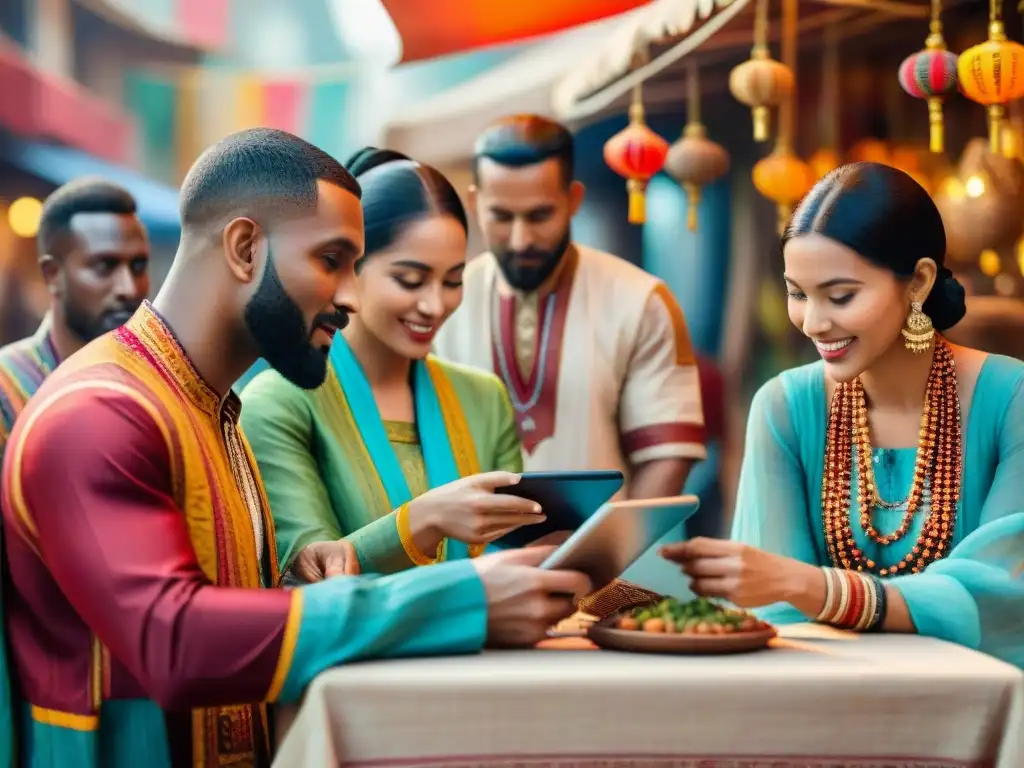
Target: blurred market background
x,y
134,89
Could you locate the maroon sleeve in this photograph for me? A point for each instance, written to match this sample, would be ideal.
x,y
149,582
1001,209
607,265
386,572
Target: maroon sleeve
x,y
94,478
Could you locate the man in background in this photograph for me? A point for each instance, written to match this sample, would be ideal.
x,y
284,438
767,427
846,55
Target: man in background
x,y
94,255
594,351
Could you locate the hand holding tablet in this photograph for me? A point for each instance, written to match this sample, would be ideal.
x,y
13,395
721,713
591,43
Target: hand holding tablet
x,y
567,501
618,535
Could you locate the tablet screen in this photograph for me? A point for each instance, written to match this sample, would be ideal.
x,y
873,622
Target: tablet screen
x,y
568,499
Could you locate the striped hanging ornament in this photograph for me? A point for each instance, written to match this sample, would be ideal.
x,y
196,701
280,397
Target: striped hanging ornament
x,y
931,74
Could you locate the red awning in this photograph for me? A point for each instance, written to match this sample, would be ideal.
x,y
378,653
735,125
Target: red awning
x,y
431,28
35,105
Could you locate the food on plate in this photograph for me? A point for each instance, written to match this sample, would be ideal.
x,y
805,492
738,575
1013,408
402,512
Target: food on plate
x,y
700,617
576,624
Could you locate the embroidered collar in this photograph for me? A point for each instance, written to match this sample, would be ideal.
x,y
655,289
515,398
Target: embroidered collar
x,y
162,345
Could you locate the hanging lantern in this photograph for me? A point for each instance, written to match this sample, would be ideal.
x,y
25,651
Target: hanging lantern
x,y
823,162
870,151
784,179
992,73
636,153
931,74
761,82
695,161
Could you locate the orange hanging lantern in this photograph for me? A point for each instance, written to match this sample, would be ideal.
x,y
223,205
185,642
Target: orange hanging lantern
x,y
695,161
761,82
869,151
823,162
784,179
931,74
992,73
636,153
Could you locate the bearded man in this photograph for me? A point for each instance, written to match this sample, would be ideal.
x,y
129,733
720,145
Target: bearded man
x,y
594,351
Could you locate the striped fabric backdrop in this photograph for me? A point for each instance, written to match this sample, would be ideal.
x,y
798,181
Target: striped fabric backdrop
x,y
181,113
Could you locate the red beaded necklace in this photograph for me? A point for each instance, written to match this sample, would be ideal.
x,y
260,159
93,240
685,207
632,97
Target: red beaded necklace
x,y
938,465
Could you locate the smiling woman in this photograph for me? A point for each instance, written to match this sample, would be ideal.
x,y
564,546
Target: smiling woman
x,y
880,487
391,422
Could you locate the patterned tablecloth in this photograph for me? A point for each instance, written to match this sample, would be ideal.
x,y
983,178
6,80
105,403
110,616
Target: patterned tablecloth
x,y
816,699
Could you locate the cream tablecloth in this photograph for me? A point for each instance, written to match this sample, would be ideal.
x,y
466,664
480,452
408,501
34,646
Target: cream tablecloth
x,y
812,701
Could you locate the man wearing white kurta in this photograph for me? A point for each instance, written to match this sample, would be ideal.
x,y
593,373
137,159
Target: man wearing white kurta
x,y
594,351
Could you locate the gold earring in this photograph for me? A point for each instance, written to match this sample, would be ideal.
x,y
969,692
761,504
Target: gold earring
x,y
919,331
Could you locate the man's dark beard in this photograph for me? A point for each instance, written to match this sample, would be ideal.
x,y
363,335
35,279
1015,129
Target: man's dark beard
x,y
88,327
277,327
530,276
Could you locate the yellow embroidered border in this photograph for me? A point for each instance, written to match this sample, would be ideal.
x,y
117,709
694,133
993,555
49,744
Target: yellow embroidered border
x,y
65,719
288,643
455,423
408,544
684,349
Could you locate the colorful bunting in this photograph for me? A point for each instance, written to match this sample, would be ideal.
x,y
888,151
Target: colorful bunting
x,y
283,105
152,100
181,112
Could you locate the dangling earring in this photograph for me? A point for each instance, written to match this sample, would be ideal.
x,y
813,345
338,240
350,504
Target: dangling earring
x,y
919,331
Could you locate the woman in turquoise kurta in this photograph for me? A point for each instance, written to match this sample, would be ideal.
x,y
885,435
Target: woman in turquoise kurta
x,y
866,282
391,421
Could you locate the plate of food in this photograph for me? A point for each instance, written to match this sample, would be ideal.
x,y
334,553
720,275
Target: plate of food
x,y
671,626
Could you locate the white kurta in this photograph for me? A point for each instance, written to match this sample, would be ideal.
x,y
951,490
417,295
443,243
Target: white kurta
x,y
614,381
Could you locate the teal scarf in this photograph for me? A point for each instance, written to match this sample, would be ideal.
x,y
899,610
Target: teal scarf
x,y
435,443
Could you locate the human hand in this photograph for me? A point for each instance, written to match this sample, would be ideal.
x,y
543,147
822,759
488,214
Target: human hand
x,y
469,510
523,601
325,559
745,576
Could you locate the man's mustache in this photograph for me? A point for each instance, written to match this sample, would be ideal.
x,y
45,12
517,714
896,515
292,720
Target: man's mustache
x,y
337,320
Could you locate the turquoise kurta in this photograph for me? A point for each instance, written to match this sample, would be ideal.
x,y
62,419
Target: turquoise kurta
x,y
321,481
974,597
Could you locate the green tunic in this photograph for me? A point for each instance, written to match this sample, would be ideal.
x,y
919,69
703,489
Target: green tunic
x,y
320,480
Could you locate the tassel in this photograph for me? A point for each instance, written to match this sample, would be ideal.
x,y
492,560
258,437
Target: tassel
x,y
637,201
760,123
935,124
693,203
995,125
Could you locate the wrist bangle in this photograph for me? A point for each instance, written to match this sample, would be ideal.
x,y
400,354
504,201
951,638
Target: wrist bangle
x,y
831,597
409,544
881,605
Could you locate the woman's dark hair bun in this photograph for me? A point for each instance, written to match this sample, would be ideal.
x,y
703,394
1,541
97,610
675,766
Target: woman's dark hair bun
x,y
368,158
946,305
889,219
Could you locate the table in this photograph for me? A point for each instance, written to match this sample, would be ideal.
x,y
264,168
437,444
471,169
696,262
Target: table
x,y
818,698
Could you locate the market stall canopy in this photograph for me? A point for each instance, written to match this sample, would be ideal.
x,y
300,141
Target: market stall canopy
x,y
430,28
666,31
442,129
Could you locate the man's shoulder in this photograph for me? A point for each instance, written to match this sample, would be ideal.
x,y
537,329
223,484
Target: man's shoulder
x,y
98,378
479,267
21,373
608,270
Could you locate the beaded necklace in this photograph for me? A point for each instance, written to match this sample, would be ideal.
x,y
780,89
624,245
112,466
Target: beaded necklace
x,y
936,473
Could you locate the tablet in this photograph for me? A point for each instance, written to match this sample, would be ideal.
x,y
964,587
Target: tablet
x,y
621,531
568,500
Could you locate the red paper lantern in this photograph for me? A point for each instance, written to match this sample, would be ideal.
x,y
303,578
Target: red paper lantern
x,y
636,153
